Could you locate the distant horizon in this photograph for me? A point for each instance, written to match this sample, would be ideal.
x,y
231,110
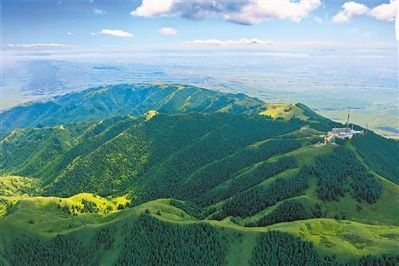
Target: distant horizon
x,y
326,54
103,25
199,132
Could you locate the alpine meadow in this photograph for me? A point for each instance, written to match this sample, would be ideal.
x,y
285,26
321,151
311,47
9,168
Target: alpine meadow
x,y
199,132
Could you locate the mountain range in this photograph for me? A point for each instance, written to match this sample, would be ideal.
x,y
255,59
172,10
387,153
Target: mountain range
x,y
169,174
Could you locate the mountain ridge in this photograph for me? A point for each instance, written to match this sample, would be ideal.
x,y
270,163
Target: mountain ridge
x,y
123,99
223,173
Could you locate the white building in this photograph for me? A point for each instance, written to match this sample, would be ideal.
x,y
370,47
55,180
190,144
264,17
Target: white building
x,y
342,133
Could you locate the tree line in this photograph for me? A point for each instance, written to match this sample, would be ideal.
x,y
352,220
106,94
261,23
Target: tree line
x,y
287,211
279,248
151,242
251,201
246,180
340,172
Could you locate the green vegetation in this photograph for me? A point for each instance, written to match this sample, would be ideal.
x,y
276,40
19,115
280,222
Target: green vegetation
x,y
58,251
251,201
379,153
121,154
376,260
284,111
177,175
105,236
5,205
151,242
108,241
246,179
189,208
332,172
120,100
276,248
287,211
18,186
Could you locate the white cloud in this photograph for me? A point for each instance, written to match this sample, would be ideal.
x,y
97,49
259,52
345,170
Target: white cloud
x,y
241,12
386,12
167,31
98,11
318,20
114,33
259,11
315,43
349,10
38,46
153,8
69,33
243,42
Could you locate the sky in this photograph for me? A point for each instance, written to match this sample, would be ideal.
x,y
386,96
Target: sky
x,y
325,53
77,25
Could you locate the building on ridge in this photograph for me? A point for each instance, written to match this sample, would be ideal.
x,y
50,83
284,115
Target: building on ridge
x,y
342,133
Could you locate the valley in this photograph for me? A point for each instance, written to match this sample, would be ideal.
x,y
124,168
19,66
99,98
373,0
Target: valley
x,y
169,174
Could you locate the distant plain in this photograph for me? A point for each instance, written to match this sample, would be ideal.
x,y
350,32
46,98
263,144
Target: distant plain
x,y
329,82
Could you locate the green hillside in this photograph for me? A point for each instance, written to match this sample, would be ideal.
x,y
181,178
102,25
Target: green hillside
x,y
177,175
120,100
136,235
110,156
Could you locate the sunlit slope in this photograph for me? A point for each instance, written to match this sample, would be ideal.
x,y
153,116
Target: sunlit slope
x,y
29,219
137,99
285,111
177,185
119,154
223,162
18,186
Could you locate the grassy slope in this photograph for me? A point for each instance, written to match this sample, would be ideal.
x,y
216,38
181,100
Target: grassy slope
x,y
347,239
105,157
119,100
372,230
18,186
344,238
384,212
34,211
369,228
285,111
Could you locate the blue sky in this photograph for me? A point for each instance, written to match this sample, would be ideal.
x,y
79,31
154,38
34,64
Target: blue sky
x,y
175,24
284,50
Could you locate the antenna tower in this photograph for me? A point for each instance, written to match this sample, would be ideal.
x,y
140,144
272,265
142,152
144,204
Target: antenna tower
x,y
347,120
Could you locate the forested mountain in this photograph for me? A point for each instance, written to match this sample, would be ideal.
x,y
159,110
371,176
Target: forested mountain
x,y
119,100
178,175
110,157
